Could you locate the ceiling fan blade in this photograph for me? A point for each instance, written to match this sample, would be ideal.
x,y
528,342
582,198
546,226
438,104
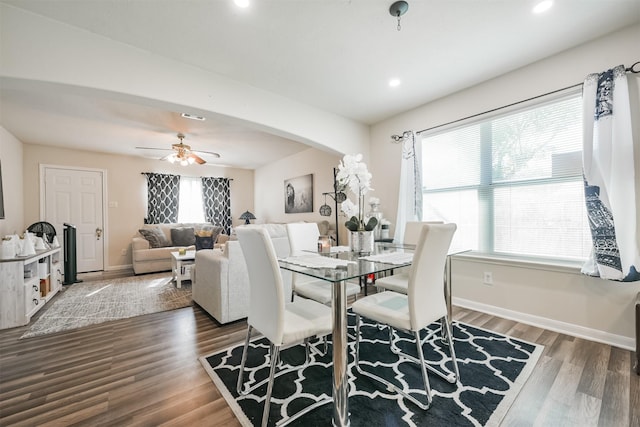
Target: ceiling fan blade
x,y
155,149
207,153
199,160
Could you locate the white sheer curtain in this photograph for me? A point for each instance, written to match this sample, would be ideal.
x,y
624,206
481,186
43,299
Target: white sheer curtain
x,y
191,209
410,191
609,177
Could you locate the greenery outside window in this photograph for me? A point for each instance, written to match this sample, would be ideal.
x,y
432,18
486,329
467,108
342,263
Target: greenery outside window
x,y
512,182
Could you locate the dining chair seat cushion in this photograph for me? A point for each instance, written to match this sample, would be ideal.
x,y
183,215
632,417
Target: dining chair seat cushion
x,y
320,290
387,307
397,282
304,318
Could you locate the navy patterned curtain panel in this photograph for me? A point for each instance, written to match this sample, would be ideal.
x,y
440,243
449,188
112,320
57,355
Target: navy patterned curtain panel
x,y
216,197
609,177
162,198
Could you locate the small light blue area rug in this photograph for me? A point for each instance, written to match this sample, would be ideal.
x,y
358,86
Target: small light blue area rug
x,y
90,303
493,369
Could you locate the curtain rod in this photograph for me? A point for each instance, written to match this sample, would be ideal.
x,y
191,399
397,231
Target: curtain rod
x,y
397,138
188,176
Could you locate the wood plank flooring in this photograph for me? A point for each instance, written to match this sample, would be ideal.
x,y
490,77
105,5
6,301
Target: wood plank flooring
x,y
144,371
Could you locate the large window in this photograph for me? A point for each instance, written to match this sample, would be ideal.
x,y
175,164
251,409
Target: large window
x,y
190,206
513,182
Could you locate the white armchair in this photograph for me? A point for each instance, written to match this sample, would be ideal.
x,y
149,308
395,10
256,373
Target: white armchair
x,y
220,280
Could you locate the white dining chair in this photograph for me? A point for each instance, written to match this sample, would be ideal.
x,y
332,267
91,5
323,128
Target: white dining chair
x,y
399,281
282,322
423,304
303,239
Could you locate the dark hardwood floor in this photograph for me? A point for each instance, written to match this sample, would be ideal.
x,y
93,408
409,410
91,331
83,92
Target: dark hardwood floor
x,y
144,371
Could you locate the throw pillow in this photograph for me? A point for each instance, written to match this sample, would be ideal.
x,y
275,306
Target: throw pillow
x,y
183,236
204,242
206,238
154,236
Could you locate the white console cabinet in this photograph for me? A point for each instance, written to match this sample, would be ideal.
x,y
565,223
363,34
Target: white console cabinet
x,y
26,284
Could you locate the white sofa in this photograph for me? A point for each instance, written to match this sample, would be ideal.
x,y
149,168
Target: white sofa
x,y
146,259
220,281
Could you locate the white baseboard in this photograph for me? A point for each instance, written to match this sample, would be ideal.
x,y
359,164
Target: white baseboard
x,y
620,341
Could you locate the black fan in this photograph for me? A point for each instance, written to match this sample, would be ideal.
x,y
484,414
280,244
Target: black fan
x,y
41,228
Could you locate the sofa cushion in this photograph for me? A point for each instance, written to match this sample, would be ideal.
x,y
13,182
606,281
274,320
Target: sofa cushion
x,y
154,236
183,236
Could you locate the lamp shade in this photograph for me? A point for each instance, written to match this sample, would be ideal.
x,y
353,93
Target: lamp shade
x,y
247,216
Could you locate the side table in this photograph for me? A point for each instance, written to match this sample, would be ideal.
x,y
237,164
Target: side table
x,y
181,266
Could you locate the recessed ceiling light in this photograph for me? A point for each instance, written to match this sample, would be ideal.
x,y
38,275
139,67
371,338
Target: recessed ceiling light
x,y
241,3
543,6
192,117
394,82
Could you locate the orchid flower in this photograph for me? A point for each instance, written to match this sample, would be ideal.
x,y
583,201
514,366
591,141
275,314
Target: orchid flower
x,y
353,175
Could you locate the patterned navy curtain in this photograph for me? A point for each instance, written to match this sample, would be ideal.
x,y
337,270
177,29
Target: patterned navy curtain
x,y
216,198
609,177
162,198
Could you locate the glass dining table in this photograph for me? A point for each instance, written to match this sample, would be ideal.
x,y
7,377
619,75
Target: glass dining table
x,y
337,267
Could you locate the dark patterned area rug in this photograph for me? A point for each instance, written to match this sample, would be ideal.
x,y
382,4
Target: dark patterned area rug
x,y
90,303
493,369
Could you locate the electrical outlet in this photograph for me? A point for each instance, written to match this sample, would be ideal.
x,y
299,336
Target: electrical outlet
x,y
123,252
488,278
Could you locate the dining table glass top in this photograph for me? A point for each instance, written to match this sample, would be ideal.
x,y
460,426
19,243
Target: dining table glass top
x,y
342,264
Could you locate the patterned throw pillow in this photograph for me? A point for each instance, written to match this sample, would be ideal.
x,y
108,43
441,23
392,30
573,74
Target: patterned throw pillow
x,y
154,236
183,236
206,238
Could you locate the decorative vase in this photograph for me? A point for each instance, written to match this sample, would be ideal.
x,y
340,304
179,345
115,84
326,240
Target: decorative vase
x,y
361,241
27,247
384,231
375,213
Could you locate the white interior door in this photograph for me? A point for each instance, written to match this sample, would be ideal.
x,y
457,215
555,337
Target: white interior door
x,y
75,196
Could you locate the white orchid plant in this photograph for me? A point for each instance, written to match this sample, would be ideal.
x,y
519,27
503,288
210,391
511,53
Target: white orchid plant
x,y
353,175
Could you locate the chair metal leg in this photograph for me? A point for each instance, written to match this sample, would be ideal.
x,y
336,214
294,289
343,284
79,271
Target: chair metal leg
x,y
452,351
451,377
275,353
388,384
425,378
244,359
357,358
307,351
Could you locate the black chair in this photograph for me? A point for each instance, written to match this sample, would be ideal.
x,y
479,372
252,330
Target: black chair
x,y
41,228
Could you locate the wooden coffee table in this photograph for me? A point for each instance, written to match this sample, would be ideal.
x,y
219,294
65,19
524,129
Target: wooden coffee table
x,y
181,266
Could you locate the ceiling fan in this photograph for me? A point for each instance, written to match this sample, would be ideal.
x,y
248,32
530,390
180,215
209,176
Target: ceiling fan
x,y
183,154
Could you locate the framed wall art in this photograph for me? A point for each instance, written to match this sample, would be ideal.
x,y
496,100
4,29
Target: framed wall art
x,y
298,194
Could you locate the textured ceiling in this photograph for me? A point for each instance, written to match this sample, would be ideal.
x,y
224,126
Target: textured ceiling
x,y
335,55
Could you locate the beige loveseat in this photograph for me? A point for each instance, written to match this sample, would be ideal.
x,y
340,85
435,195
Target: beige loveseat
x,y
147,259
220,280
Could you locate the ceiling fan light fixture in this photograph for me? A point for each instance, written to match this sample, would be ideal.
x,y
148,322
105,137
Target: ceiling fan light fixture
x,y
398,9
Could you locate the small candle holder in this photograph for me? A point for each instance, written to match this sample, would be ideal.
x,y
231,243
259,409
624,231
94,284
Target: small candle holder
x,y
324,244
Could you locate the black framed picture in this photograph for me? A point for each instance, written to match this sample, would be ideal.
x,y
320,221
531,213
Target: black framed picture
x,y
1,195
298,194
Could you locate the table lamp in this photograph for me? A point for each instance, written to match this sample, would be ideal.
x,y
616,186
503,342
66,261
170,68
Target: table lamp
x,y
247,216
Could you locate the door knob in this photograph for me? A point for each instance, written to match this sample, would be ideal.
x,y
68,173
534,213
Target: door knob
x,y
98,233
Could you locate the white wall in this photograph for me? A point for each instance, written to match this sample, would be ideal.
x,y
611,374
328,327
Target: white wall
x,y
269,186
36,49
126,188
564,299
11,155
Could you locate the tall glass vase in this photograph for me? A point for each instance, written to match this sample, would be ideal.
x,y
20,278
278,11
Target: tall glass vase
x,y
361,241
377,214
